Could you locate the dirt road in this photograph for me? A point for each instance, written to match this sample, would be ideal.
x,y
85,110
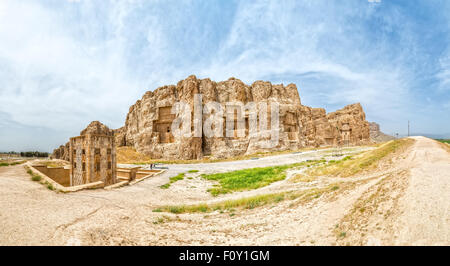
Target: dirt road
x,y
425,217
407,203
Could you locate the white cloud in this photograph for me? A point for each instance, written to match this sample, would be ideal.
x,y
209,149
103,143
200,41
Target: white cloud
x,y
56,78
444,73
63,65
269,40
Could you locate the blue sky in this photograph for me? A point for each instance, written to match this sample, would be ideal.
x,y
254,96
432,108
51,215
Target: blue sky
x,y
66,63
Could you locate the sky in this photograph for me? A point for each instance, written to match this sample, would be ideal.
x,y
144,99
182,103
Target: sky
x,y
66,63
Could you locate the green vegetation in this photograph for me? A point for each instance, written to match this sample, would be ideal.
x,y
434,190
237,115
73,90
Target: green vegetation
x,y
252,178
350,166
38,178
16,163
247,179
193,171
249,202
34,177
50,186
173,180
11,163
444,140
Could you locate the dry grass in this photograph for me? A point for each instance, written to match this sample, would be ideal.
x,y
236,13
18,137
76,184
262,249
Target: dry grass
x,y
303,197
445,145
129,155
302,178
376,204
10,162
350,166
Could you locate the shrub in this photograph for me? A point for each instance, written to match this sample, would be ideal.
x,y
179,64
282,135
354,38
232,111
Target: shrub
x,y
36,177
50,186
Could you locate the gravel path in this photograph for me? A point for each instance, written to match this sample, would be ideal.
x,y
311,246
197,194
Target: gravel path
x,y
425,216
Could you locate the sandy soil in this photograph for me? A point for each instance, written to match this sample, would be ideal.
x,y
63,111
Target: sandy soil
x,y
406,202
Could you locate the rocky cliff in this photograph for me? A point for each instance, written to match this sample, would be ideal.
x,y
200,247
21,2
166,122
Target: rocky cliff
x,y
147,124
376,135
62,152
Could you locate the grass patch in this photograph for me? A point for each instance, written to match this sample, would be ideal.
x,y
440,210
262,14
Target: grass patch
x,y
249,202
252,178
161,220
173,180
350,166
50,186
193,171
302,178
9,163
445,144
36,178
16,163
444,140
177,178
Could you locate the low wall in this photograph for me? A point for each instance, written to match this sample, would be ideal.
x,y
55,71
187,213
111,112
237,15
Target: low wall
x,y
58,186
58,174
125,172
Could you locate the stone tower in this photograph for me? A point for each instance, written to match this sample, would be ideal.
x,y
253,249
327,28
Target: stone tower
x,y
93,156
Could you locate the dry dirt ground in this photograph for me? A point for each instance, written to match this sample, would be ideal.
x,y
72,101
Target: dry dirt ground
x,y
405,202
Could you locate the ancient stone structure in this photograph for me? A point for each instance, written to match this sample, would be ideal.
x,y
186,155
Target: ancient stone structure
x,y
147,127
376,135
62,152
92,155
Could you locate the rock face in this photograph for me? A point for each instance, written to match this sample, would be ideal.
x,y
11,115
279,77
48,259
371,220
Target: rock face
x,y
120,136
95,127
62,152
147,127
376,135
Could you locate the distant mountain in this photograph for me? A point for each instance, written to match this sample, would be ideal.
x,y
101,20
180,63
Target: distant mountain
x,y
376,135
433,136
